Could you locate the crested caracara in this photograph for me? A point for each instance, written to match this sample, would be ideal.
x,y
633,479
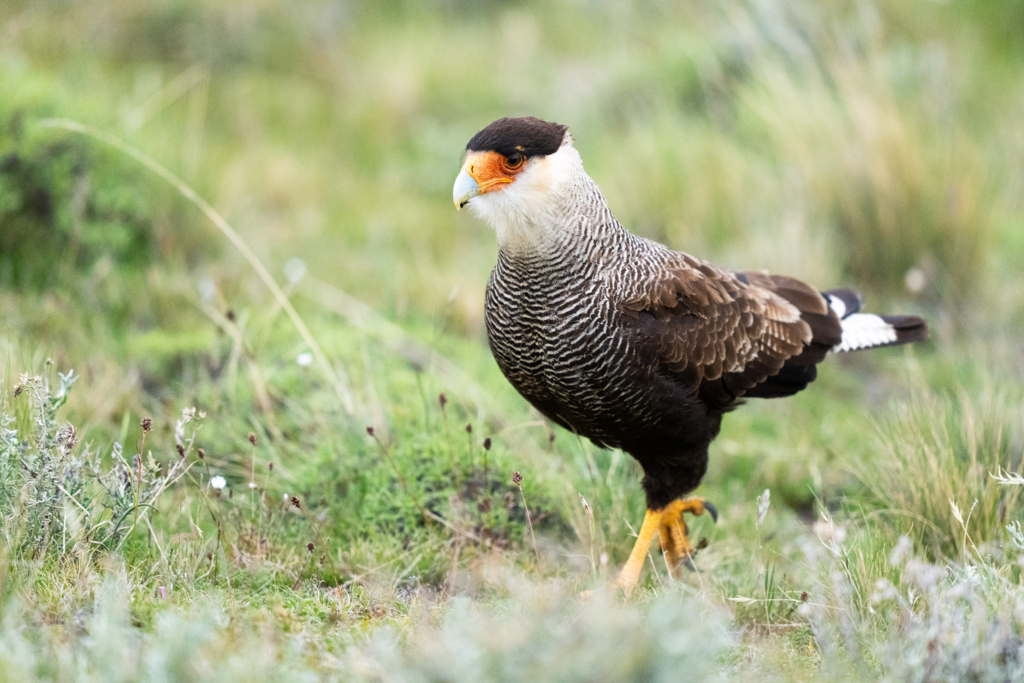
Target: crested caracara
x,y
627,342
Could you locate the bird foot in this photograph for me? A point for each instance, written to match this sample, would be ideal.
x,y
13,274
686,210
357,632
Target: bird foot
x,y
668,523
674,534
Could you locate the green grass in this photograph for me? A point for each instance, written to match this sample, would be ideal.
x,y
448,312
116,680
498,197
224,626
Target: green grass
x,y
844,143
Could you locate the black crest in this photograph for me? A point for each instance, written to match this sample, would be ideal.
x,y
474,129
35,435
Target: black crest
x,y
527,135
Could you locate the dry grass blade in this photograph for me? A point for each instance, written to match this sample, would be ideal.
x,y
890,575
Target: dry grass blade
x,y
939,449
420,354
343,391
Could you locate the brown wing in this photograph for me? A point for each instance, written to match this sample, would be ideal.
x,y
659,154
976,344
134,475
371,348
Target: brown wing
x,y
733,334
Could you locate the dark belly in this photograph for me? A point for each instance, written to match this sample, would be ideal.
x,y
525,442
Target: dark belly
x,y
587,373
591,373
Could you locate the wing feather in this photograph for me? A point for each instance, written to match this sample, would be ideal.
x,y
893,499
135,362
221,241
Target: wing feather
x,y
733,330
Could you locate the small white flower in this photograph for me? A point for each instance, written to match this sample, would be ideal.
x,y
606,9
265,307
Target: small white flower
x,y
305,359
252,484
218,482
294,269
207,290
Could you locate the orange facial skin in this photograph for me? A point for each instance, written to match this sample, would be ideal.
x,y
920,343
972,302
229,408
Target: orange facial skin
x,y
492,170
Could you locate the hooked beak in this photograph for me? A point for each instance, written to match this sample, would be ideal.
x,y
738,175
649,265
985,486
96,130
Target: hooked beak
x,y
465,189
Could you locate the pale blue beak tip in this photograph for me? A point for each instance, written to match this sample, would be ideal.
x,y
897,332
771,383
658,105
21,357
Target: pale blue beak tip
x,y
465,189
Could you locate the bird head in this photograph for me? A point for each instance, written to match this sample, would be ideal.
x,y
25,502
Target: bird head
x,y
513,170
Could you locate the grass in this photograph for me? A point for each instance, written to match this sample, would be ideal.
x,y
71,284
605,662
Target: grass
x,y
283,270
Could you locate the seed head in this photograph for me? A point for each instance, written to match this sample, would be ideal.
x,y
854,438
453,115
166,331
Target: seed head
x,y
487,444
146,424
551,438
803,596
517,478
442,399
252,438
201,453
181,450
296,503
369,430
310,546
66,437
469,429
586,506
270,466
230,315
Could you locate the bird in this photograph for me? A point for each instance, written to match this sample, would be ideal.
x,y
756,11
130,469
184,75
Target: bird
x,y
629,343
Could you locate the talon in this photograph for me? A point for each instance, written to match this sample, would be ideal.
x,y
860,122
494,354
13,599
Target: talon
x,y
673,535
713,510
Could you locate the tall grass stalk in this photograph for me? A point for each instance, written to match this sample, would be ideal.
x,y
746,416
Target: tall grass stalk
x,y
340,387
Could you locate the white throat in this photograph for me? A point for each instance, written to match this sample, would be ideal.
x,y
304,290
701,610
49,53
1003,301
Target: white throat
x,y
529,215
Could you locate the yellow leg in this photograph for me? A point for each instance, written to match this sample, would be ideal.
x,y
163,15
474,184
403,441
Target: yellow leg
x,y
675,539
666,538
673,534
630,574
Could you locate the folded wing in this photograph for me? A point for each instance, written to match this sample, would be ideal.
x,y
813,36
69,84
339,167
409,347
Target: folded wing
x,y
729,335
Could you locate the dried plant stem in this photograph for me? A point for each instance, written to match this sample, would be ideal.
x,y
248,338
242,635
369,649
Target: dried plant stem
x,y
206,498
453,575
487,486
398,473
138,486
302,571
518,479
590,519
209,508
316,530
481,492
442,399
469,447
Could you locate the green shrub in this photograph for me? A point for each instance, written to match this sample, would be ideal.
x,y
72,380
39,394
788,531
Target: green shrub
x,y
68,202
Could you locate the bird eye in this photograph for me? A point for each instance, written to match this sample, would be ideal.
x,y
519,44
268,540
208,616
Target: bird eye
x,y
516,160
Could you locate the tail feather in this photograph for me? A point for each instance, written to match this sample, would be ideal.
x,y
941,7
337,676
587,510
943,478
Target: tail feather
x,y
867,331
909,328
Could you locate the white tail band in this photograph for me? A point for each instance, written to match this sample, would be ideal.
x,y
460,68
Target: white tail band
x,y
864,330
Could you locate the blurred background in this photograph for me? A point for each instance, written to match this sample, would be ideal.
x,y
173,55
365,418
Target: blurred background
x,y
848,143
843,142
878,146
